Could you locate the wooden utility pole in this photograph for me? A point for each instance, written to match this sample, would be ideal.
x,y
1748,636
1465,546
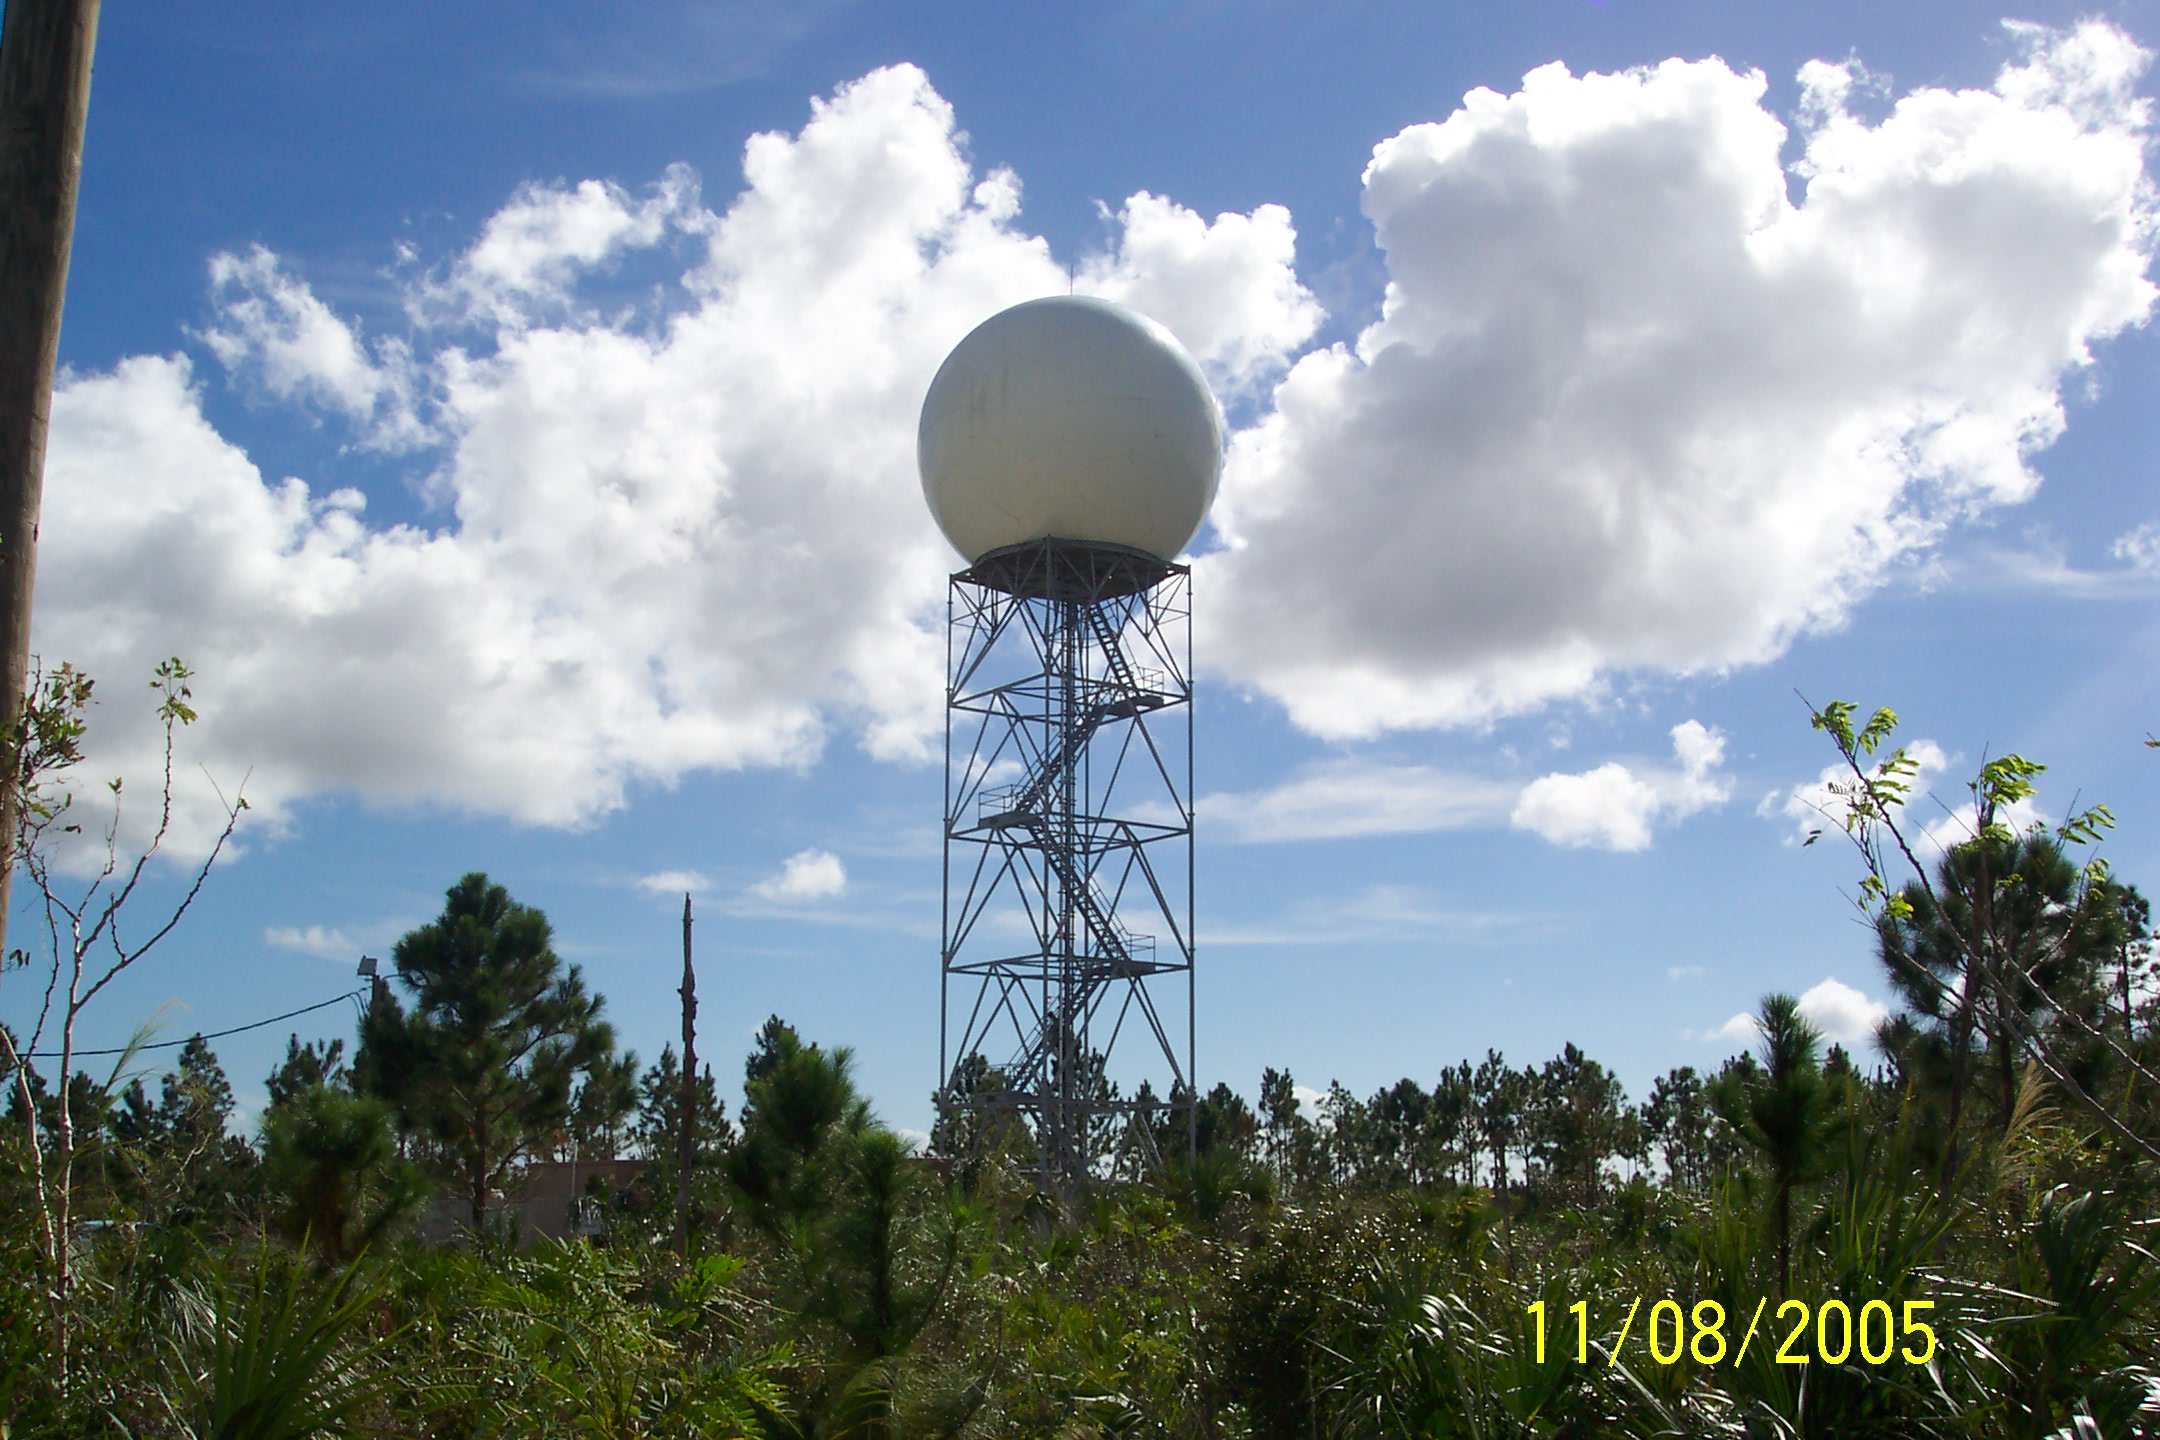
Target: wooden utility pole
x,y
686,1127
45,50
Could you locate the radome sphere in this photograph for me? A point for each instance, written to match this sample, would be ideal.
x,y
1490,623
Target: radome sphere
x,y
1069,417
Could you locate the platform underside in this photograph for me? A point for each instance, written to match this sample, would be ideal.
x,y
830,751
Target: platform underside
x,y
1082,571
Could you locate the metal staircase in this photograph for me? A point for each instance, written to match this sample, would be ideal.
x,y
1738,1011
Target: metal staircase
x,y
1067,659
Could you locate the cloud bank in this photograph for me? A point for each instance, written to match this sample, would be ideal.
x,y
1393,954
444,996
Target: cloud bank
x,y
1639,400
685,537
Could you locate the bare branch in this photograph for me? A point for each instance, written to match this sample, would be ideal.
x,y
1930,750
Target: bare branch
x,y
179,910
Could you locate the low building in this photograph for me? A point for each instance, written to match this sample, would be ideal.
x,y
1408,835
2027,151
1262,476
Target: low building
x,y
560,1198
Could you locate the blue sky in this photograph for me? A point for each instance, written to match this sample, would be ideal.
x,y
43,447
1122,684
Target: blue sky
x,y
609,564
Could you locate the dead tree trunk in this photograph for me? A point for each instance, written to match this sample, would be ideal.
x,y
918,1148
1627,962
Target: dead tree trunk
x,y
686,1127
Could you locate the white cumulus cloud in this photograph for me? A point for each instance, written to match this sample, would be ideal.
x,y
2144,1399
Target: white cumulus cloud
x,y
1740,1030
1842,1013
2139,548
674,882
1640,399
683,536
1615,806
531,253
314,940
1226,289
270,324
806,876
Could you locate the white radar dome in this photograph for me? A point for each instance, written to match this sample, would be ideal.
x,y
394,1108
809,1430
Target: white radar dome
x,y
1074,418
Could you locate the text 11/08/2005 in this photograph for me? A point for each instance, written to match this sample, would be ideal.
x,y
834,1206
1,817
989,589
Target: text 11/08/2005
x,y
1838,1334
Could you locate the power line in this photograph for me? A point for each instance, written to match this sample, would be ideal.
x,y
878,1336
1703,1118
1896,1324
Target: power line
x,y
213,1035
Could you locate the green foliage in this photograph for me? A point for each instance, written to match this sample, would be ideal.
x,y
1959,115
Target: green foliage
x,y
864,1299
2049,1023
981,1142
483,1065
332,1175
565,1341
167,1161
1484,1255
865,1252
1580,1118
54,721
2077,1255
654,1135
270,1353
305,1067
83,953
1678,1119
1781,1111
1443,1365
801,1118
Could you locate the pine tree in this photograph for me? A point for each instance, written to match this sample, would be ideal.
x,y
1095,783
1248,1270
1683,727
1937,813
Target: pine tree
x,y
1782,1111
306,1066
1678,1117
1580,1119
482,1068
1498,1096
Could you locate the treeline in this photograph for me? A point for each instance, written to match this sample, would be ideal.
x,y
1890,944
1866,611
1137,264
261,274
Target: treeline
x,y
1562,1129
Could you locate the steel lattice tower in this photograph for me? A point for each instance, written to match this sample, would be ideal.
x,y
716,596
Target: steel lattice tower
x,y
1068,855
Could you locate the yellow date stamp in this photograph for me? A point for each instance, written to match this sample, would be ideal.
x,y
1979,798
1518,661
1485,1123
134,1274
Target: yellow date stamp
x,y
1829,1332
